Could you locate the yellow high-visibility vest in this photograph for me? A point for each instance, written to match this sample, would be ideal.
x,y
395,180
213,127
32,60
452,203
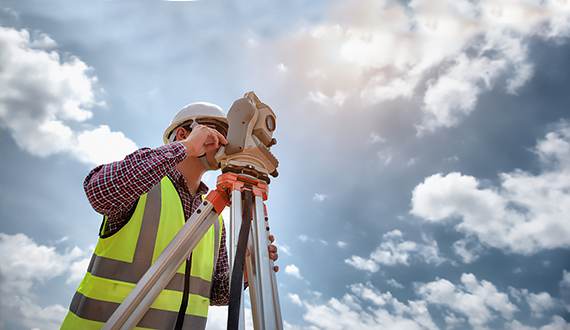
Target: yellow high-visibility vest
x,y
119,261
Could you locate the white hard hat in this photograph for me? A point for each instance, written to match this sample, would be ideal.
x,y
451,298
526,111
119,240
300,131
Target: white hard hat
x,y
194,111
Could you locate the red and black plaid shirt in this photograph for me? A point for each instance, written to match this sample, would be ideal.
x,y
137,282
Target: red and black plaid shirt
x,y
113,190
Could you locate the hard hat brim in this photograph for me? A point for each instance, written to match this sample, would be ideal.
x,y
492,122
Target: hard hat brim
x,y
174,125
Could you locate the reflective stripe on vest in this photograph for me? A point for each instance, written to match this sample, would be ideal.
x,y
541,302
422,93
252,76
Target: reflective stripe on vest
x,y
119,261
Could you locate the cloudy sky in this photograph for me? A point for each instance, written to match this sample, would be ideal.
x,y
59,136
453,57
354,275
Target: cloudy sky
x,y
424,148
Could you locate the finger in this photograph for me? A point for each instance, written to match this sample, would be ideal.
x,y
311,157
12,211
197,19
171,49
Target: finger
x,y
214,135
209,140
276,268
274,256
221,137
271,238
272,248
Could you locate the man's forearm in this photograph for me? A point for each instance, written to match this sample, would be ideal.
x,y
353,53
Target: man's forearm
x,y
113,188
221,280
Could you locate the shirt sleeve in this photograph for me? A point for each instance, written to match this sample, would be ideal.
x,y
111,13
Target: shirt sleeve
x,y
112,189
220,293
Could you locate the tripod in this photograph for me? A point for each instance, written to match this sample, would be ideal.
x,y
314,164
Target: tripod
x,y
245,195
246,162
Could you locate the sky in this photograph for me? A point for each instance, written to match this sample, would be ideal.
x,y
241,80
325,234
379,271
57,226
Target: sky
x,y
424,148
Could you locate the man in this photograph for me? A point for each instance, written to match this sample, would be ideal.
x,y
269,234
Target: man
x,y
145,200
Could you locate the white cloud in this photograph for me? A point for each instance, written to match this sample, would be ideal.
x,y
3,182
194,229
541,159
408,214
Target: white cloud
x,y
538,303
61,240
295,299
44,109
283,248
293,271
376,138
527,213
453,95
385,156
93,145
556,323
453,321
31,315
472,303
218,318
337,99
385,312
282,67
467,249
341,244
446,54
395,284
479,301
363,264
304,238
24,265
320,197
77,270
394,250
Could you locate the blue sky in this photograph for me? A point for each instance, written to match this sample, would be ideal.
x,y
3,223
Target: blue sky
x,y
424,148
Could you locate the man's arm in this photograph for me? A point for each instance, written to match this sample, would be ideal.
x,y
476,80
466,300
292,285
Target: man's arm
x,y
220,294
112,189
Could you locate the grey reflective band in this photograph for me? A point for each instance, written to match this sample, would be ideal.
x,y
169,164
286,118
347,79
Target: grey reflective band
x,y
101,311
132,273
149,227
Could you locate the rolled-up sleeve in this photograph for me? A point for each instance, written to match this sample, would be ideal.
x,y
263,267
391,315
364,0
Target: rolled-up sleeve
x,y
113,188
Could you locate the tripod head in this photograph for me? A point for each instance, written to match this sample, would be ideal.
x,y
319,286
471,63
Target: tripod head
x,y
251,124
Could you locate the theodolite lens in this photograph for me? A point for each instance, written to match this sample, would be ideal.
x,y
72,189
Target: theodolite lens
x,y
270,123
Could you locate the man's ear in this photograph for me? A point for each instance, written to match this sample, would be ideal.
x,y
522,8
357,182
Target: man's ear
x,y
181,133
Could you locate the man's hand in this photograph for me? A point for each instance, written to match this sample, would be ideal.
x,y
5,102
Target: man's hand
x,y
203,139
273,252
272,255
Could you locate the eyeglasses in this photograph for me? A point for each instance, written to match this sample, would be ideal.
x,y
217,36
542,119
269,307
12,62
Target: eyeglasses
x,y
215,124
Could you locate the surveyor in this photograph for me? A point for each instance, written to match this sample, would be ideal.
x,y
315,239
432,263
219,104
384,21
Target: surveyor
x,y
145,199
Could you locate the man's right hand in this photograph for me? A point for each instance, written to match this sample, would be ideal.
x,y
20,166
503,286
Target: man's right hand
x,y
203,139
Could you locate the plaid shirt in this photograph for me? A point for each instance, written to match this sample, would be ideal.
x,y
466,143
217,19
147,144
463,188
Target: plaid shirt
x,y
113,190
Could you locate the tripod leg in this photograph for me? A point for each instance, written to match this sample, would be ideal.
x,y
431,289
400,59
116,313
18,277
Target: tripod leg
x,y
254,280
276,302
263,286
236,215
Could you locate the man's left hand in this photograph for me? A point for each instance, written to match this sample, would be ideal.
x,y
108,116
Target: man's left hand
x,y
273,252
